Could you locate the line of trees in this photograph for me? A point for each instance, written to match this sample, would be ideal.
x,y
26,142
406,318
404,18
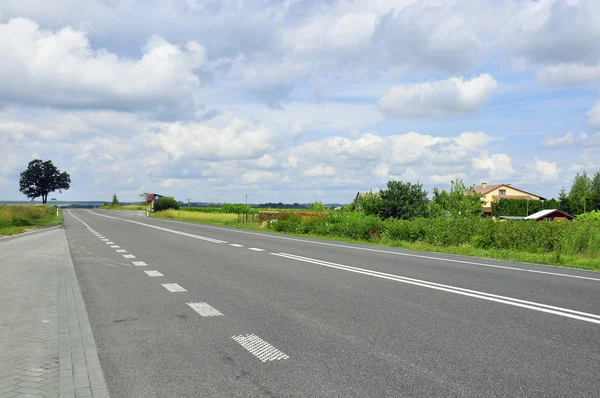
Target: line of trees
x,y
584,195
406,201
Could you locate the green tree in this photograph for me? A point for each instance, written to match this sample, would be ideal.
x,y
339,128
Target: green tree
x,y
460,201
369,203
563,201
166,202
115,201
317,207
40,178
580,192
594,200
403,200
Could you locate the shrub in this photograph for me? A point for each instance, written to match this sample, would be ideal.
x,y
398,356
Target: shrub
x,y
589,216
19,221
166,202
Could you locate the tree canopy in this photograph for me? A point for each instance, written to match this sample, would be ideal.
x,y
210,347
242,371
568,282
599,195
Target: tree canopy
x,y
40,178
403,200
460,201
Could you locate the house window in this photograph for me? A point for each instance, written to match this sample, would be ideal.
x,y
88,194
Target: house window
x,y
502,191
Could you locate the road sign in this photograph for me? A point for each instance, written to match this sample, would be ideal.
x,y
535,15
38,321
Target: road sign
x,y
52,198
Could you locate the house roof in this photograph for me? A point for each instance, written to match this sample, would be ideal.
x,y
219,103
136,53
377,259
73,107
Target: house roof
x,y
545,213
497,197
490,187
511,218
151,197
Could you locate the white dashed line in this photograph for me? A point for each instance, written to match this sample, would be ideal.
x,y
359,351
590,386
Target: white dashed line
x,y
115,246
139,263
204,309
104,240
236,245
153,273
565,312
101,237
128,256
173,287
256,249
260,348
121,251
110,243
173,231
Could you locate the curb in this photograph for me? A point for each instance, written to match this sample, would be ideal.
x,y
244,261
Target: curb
x,y
23,234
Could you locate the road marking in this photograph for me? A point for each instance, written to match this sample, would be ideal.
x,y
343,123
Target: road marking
x,y
236,245
153,273
367,249
204,309
373,250
110,243
115,246
163,229
139,263
121,251
260,348
256,249
104,240
173,287
565,312
128,256
101,237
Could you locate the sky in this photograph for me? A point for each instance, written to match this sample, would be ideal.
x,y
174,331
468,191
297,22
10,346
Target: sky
x,y
298,100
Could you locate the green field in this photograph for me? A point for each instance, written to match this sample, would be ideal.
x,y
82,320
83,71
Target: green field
x,y
15,219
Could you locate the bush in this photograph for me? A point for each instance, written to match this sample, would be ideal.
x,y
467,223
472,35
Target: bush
x,y
166,202
19,221
589,216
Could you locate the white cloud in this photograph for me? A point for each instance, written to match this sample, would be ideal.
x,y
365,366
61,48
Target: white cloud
x,y
498,166
558,142
62,69
236,139
593,116
441,98
544,171
297,130
320,171
569,74
561,36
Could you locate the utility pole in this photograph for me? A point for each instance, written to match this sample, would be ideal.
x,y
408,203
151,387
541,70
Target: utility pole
x,y
188,201
246,217
247,194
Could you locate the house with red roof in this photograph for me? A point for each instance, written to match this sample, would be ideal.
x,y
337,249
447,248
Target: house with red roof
x,y
494,192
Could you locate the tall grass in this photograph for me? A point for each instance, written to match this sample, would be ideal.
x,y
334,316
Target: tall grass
x,y
15,219
199,217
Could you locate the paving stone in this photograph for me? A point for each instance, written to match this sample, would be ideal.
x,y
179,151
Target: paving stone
x,y
45,335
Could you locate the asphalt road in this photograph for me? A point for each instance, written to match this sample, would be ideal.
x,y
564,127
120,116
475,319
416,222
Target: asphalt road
x,y
284,316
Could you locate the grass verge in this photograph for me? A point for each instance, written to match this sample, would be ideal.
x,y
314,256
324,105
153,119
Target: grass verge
x,y
15,219
548,258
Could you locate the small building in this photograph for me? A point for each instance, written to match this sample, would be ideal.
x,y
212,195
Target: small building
x,y
494,192
550,215
150,199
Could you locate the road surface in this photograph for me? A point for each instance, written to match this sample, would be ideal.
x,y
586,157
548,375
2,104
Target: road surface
x,y
188,310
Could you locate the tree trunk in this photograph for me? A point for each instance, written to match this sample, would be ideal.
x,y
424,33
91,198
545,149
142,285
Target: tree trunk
x,y
44,198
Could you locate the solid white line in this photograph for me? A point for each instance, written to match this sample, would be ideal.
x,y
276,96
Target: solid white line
x,y
259,348
128,256
115,246
153,273
236,245
204,309
401,254
173,287
121,251
163,229
565,312
139,263
256,249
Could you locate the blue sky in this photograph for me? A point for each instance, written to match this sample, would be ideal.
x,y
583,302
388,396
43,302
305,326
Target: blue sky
x,y
297,101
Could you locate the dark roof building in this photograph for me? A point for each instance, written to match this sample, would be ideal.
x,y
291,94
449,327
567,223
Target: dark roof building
x,y
550,215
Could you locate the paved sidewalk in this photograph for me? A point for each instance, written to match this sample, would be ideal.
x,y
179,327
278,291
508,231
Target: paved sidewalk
x,y
46,343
